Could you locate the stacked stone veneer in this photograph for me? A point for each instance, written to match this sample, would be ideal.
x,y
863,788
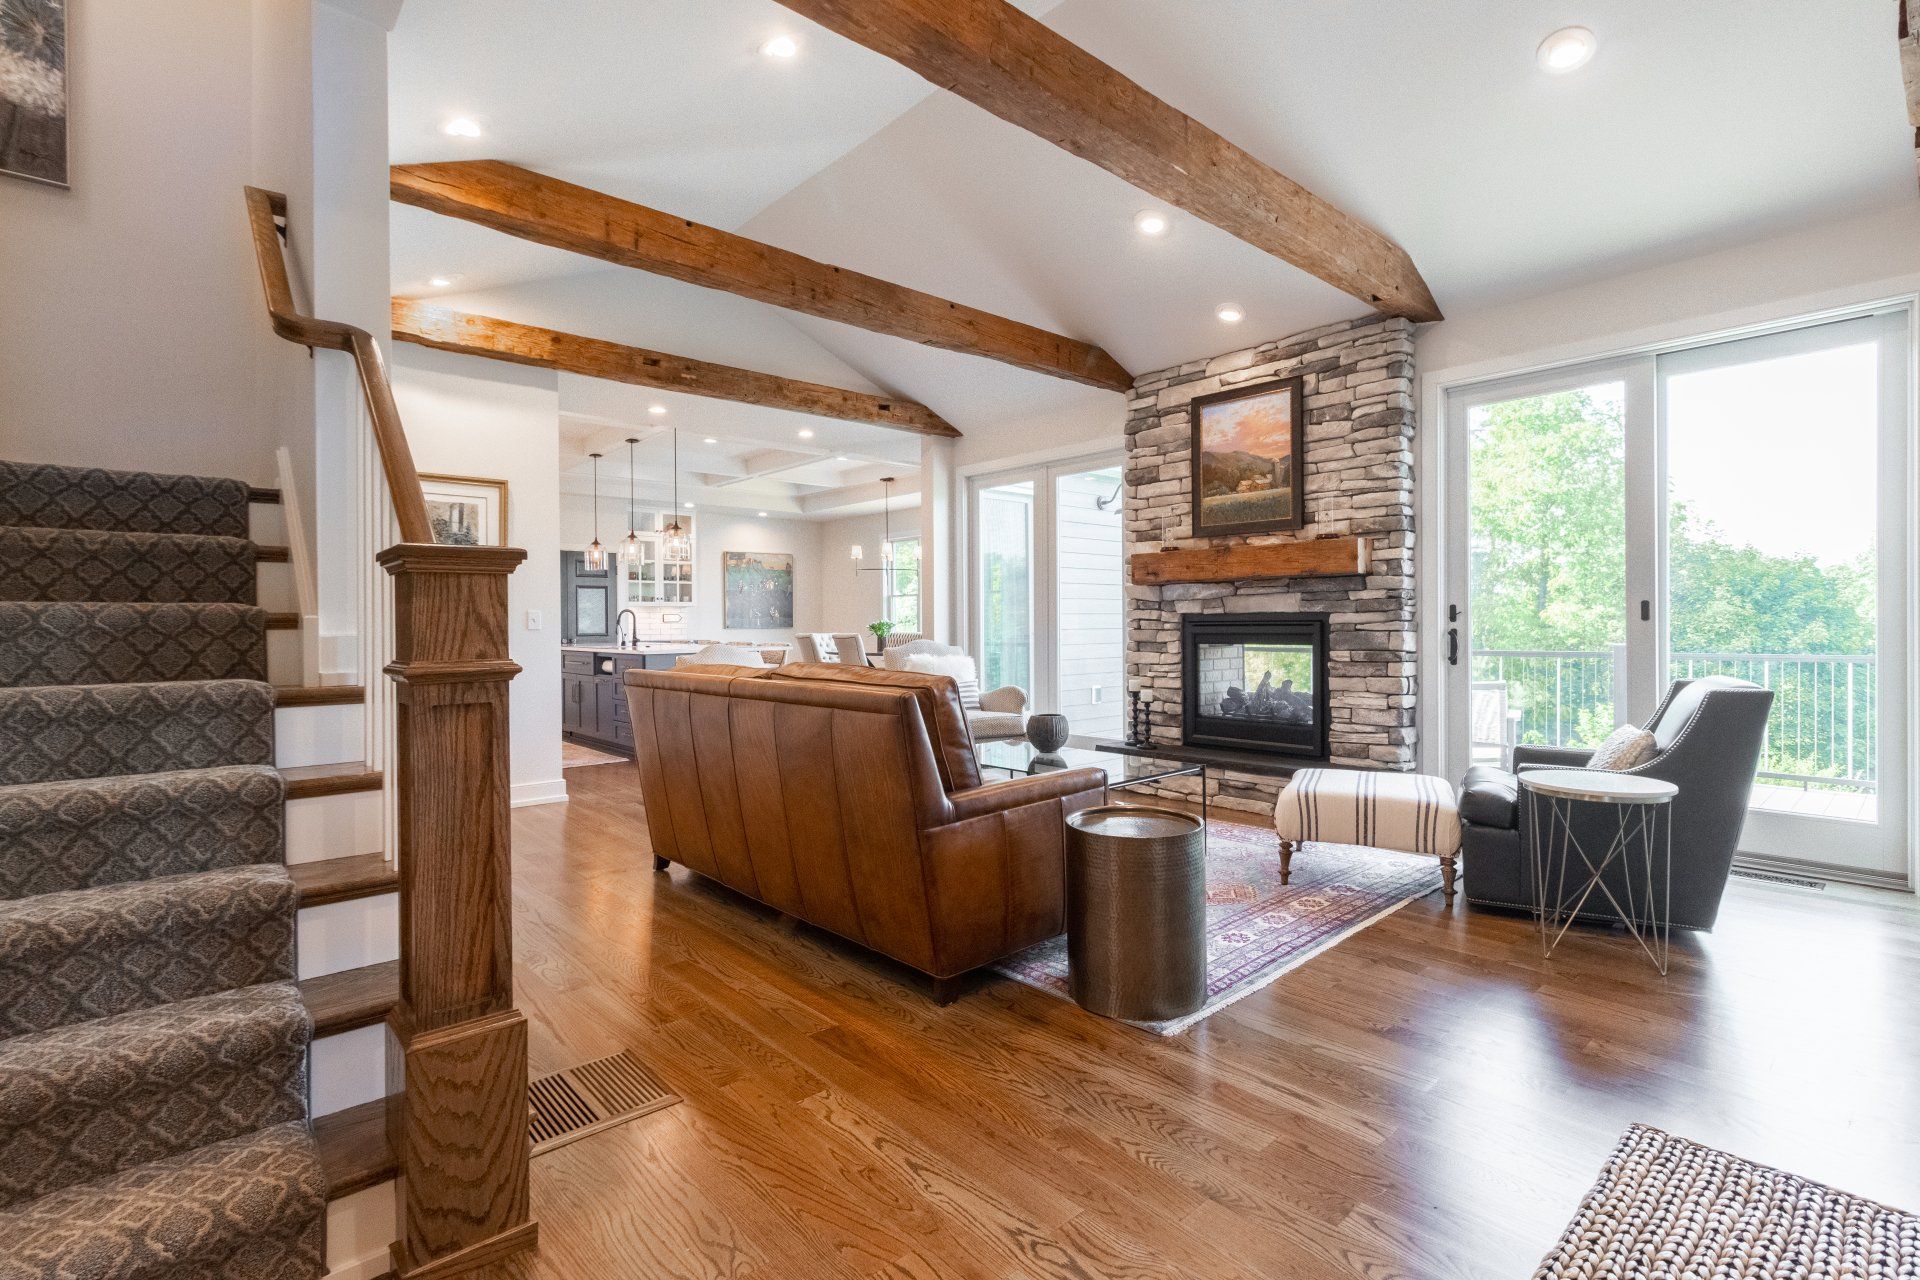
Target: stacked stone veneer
x,y
1359,480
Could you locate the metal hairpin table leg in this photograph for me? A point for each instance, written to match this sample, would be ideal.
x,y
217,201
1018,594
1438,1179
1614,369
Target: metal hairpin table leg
x,y
1644,859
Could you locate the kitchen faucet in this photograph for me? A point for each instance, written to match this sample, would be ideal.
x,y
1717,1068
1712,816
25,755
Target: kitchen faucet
x,y
620,629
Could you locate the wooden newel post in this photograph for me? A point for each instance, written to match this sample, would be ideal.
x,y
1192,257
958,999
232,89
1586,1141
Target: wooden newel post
x,y
457,1052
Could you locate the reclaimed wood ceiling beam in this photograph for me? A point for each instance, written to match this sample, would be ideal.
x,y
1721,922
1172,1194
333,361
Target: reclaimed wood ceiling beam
x,y
496,339
1016,67
548,211
1910,68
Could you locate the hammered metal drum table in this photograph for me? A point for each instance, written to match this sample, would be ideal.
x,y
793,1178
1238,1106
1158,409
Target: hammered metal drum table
x,y
1640,860
1137,912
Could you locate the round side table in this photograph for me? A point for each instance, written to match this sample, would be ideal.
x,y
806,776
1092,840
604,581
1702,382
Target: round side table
x,y
1137,912
1565,874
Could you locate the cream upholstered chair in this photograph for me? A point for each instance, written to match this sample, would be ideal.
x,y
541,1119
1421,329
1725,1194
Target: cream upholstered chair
x,y
847,649
997,713
722,655
813,646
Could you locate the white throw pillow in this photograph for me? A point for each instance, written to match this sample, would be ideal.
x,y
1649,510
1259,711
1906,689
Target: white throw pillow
x,y
1625,747
722,655
957,665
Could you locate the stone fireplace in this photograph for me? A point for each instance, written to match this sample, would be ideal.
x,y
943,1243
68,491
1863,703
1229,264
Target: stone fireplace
x,y
1358,478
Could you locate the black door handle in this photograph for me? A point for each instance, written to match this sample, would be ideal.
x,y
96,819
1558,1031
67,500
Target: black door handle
x,y
1453,646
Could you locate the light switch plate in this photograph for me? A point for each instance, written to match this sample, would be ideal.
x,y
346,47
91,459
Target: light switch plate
x,y
533,619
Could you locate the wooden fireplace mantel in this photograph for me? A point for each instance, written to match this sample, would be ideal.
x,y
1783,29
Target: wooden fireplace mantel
x,y
1315,558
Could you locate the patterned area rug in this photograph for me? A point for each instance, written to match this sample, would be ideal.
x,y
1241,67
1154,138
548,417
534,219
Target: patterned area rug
x,y
1258,928
1665,1206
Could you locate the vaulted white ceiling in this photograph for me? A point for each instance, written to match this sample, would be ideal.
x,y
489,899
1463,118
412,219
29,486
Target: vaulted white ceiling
x,y
1696,124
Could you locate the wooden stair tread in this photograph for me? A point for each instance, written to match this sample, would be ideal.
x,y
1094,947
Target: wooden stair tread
x,y
283,622
271,555
354,1151
363,875
308,780
352,998
318,695
269,496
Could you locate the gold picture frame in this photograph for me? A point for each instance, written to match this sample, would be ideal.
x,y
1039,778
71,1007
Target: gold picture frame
x,y
465,510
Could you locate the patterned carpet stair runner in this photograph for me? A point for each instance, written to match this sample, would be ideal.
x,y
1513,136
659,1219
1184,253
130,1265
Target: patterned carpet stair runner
x,y
153,1047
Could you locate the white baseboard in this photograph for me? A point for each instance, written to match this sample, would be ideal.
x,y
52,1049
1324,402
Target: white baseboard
x,y
550,791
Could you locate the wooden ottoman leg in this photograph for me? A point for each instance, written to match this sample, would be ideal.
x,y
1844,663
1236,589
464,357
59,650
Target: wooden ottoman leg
x,y
1286,859
660,863
1449,868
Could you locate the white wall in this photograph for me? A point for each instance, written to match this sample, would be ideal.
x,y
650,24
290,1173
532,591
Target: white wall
x,y
131,316
472,417
714,534
1746,284
853,600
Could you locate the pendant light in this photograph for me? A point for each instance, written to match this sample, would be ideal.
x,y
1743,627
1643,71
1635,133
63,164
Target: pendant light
x,y
632,545
596,554
677,545
886,536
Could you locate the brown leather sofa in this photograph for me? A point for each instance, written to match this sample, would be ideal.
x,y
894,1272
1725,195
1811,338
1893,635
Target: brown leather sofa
x,y
849,797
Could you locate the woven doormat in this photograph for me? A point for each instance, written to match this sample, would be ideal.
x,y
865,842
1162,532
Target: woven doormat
x,y
1665,1207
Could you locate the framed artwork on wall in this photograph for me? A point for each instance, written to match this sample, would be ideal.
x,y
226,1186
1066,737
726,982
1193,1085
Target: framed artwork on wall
x,y
758,589
33,90
465,511
1249,451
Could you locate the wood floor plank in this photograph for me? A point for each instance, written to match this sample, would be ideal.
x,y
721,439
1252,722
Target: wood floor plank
x,y
1426,1101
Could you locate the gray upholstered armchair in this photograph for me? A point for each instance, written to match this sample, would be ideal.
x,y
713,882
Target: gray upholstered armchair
x,y
1707,735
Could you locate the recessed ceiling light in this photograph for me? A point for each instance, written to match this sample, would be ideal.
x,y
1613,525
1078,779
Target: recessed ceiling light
x,y
461,127
1230,314
687,504
761,514
841,458
806,433
709,440
1150,222
656,409
781,47
1567,49
441,282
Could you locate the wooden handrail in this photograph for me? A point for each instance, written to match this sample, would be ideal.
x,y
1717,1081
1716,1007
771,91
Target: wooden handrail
x,y
396,459
457,1047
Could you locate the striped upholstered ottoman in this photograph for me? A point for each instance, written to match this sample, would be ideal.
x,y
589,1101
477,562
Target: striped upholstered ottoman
x,y
1412,812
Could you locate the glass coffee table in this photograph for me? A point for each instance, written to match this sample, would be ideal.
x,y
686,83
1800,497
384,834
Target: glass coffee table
x,y
1017,758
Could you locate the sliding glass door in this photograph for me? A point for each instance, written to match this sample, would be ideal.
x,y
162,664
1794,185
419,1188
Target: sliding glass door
x,y
1046,605
1734,508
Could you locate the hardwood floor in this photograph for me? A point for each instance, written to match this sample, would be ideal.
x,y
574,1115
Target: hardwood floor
x,y
1428,1099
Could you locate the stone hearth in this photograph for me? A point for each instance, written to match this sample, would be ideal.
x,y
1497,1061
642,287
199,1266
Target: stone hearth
x,y
1359,480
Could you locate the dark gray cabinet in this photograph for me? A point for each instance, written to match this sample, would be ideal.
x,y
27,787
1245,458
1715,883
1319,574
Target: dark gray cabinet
x,y
593,699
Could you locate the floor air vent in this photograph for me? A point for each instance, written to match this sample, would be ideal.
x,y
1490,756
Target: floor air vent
x,y
581,1100
1798,882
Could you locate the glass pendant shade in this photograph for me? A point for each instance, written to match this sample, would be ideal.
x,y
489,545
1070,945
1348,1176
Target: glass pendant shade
x,y
676,545
632,545
596,557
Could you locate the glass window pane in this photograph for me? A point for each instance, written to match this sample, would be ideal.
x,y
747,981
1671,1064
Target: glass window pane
x,y
1006,585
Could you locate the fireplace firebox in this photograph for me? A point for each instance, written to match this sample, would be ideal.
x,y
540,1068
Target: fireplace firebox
x,y
1256,682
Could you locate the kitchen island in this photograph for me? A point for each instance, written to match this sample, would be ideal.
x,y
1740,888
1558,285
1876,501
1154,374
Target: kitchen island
x,y
593,705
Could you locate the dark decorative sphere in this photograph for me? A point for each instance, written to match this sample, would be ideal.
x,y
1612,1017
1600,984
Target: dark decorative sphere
x,y
1047,731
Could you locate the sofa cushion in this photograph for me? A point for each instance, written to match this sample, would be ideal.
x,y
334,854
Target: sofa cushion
x,y
939,706
988,725
1490,797
1625,747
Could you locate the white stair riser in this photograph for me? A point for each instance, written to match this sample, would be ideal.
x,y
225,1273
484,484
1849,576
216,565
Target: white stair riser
x,y
267,524
359,1228
348,935
275,588
348,1069
318,735
321,827
283,658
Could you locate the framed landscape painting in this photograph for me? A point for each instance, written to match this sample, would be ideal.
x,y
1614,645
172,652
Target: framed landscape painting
x,y
465,511
759,589
1248,447
33,90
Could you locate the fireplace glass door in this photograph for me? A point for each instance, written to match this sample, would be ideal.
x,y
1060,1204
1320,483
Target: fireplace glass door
x,y
1256,682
